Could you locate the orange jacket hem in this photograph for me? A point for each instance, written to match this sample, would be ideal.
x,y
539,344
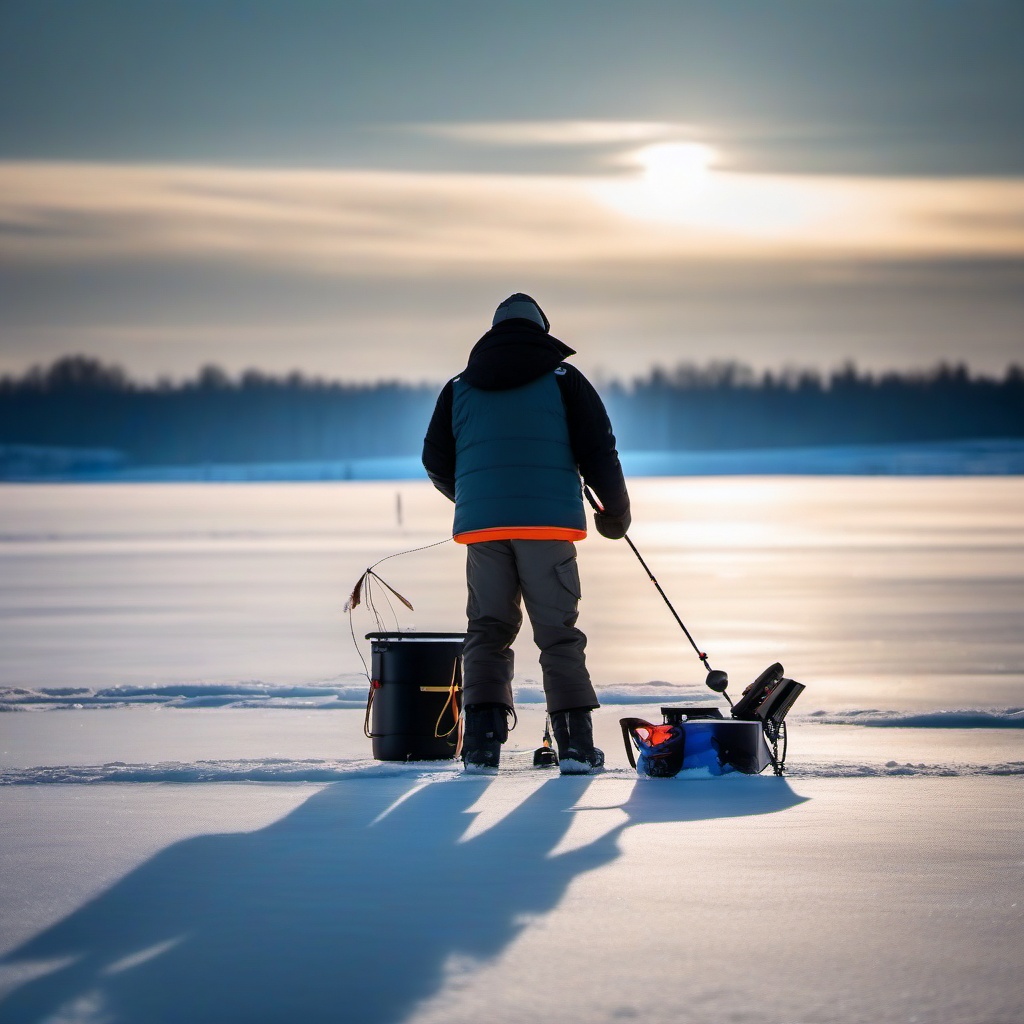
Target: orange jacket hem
x,y
520,533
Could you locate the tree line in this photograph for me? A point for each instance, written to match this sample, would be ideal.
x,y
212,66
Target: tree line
x,y
81,402
729,406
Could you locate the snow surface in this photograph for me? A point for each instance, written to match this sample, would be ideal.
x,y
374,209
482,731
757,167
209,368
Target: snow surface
x,y
349,890
192,828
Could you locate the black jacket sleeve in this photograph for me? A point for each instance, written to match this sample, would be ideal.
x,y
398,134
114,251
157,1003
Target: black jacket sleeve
x,y
439,445
593,443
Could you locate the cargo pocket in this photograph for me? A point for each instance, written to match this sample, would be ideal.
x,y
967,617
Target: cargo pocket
x,y
569,576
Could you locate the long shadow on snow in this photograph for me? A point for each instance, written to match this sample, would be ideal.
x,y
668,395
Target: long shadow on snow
x,y
334,913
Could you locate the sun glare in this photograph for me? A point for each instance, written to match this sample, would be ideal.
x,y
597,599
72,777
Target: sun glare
x,y
681,168
680,186
672,187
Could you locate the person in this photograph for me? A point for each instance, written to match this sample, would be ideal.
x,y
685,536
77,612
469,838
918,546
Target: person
x,y
508,442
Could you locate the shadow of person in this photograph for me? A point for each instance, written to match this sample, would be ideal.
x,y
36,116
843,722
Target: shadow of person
x,y
350,907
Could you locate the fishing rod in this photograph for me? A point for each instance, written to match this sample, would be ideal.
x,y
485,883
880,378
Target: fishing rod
x,y
717,679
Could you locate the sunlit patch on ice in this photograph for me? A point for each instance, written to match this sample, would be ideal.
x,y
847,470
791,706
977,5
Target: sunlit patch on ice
x,y
401,800
496,803
126,963
587,825
88,1008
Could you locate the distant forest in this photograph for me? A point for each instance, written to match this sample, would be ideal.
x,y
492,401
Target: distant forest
x,y
80,402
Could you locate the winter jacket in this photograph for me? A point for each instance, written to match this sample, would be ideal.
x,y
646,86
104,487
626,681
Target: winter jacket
x,y
511,436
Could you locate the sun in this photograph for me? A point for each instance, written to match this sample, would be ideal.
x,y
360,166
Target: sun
x,y
678,185
676,169
672,183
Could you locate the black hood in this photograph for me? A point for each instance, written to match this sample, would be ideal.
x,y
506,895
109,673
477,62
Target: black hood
x,y
513,353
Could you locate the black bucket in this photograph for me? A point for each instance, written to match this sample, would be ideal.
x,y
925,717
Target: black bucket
x,y
412,706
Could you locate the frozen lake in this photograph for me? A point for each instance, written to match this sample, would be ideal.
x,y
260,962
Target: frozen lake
x,y
232,853
886,593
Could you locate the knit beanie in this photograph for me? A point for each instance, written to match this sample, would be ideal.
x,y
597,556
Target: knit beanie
x,y
521,305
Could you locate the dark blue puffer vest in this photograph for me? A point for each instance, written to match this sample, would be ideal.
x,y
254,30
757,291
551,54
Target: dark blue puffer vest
x,y
515,473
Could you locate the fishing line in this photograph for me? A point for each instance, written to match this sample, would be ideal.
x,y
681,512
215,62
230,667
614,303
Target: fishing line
x,y
409,551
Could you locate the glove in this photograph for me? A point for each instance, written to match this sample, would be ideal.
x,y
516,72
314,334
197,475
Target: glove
x,y
612,527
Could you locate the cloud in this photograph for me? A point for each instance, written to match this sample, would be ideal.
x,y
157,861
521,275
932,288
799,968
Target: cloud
x,y
361,273
340,222
550,133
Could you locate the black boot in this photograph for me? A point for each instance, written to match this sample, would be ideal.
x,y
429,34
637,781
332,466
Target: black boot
x,y
574,736
484,730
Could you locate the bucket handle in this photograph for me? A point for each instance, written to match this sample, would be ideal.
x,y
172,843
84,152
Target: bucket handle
x,y
374,687
454,704
451,702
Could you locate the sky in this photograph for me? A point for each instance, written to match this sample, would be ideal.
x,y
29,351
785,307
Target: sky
x,y
350,188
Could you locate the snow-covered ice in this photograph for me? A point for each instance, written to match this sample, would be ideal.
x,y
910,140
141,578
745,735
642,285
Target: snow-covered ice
x,y
412,892
192,828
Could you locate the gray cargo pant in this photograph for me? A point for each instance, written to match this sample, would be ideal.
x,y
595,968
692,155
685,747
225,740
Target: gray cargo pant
x,y
543,573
